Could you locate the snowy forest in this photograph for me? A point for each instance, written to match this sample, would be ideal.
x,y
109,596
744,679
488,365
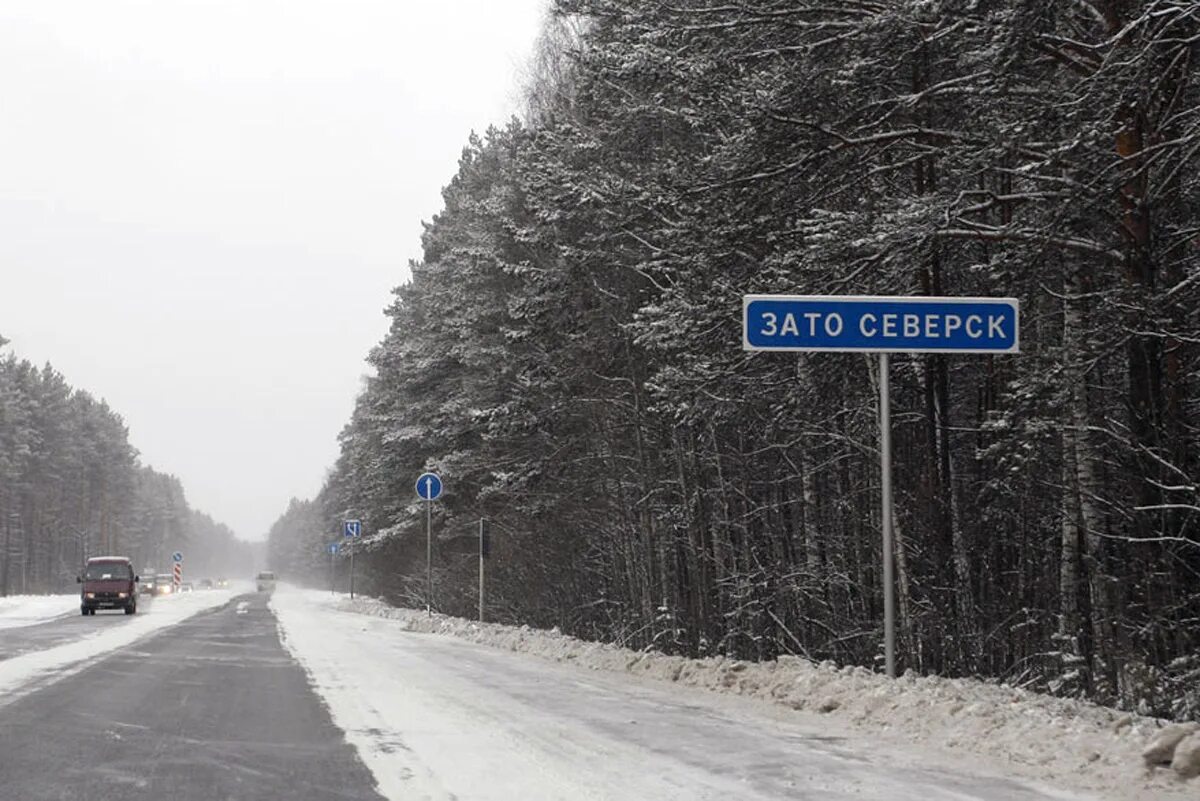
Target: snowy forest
x,y
567,354
72,486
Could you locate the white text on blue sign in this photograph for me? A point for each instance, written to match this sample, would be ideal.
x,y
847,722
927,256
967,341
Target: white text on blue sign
x,y
880,324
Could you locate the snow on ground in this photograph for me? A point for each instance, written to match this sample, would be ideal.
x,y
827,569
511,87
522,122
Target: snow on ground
x,y
440,718
27,610
1063,742
30,671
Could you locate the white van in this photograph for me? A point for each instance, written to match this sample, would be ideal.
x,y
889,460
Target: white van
x,y
265,581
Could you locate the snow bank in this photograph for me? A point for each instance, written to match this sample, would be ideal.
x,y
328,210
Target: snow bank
x,y
29,610
1186,759
1056,740
27,672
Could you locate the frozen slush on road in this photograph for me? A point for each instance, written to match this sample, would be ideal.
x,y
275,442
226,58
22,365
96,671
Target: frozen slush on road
x,y
102,634
440,718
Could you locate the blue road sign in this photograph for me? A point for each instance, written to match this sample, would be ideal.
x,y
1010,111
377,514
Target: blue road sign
x,y
429,486
332,548
177,556
352,528
880,324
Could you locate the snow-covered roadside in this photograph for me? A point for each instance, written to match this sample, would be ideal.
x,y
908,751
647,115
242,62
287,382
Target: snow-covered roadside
x,y
439,718
27,672
29,610
1058,741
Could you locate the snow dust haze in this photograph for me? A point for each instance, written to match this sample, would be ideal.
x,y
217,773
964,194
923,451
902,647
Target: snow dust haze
x,y
206,204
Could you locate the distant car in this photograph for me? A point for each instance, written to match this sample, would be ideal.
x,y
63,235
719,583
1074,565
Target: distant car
x,y
164,584
186,587
222,584
108,582
265,581
147,587
206,584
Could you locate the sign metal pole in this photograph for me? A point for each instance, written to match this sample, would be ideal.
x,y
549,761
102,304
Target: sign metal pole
x,y
352,569
429,558
885,458
482,523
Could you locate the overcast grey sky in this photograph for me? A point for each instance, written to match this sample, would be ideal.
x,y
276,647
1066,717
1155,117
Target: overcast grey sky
x,y
205,204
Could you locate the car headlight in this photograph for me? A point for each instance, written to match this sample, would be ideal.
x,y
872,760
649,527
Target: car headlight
x,y
89,595
120,595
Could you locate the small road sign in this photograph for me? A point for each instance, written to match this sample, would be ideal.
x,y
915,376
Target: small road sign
x,y
352,528
429,487
332,548
880,324
177,557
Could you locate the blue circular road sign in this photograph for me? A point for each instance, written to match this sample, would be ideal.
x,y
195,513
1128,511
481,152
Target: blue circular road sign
x,y
429,486
177,556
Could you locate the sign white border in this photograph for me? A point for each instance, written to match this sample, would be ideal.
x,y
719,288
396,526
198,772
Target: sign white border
x,y
1012,302
441,486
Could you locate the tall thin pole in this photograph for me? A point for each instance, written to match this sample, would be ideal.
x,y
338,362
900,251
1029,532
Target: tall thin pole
x,y
482,522
429,558
885,457
352,549
332,555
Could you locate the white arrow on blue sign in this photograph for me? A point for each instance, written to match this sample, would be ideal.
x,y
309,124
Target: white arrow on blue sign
x,y
333,547
352,528
177,556
880,324
429,486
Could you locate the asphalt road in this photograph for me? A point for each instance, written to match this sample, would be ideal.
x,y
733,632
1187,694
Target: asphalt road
x,y
212,709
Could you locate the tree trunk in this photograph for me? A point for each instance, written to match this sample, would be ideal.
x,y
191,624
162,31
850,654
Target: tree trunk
x,y
903,606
